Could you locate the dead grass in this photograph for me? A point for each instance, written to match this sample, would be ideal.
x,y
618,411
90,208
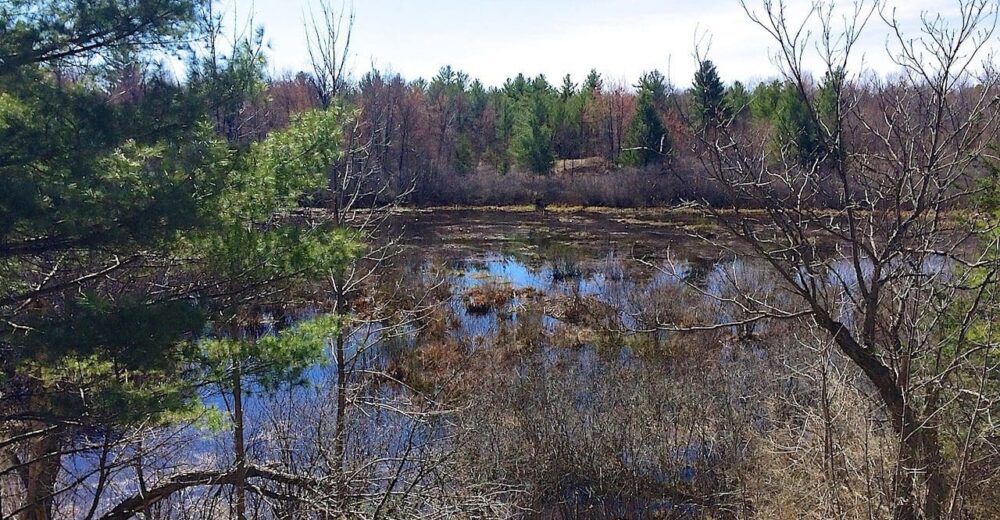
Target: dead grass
x,y
488,296
575,309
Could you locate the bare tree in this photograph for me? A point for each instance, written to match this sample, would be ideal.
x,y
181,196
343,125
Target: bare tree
x,y
361,198
328,39
878,235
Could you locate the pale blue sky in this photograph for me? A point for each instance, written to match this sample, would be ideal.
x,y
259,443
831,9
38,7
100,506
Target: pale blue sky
x,y
496,39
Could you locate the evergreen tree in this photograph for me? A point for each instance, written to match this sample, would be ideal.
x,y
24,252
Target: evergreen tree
x,y
737,99
593,84
515,88
419,85
540,84
656,84
531,146
475,136
828,111
568,88
479,99
503,121
708,97
764,100
795,126
465,157
567,126
646,141
828,97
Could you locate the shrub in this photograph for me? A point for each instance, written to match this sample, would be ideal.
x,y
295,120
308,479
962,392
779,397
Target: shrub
x,y
488,296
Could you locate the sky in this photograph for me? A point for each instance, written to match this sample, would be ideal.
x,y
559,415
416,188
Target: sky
x,y
495,39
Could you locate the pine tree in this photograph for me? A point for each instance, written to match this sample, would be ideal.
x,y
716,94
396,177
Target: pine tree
x,y
151,218
656,84
796,127
568,88
531,145
593,84
465,159
646,141
764,100
828,112
828,97
708,97
737,99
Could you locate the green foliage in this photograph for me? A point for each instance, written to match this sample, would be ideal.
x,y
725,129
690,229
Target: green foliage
x,y
568,88
568,123
478,100
112,362
88,182
229,85
646,140
448,90
503,110
127,356
737,99
796,127
255,237
162,187
531,145
84,172
790,114
272,360
465,161
515,88
284,168
656,85
93,388
708,97
41,31
764,100
593,84
828,110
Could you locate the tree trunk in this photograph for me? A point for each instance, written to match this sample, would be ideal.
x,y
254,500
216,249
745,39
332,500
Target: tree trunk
x,y
42,472
238,443
920,466
340,428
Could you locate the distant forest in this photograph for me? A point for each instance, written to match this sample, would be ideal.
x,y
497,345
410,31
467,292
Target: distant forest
x,y
454,140
579,141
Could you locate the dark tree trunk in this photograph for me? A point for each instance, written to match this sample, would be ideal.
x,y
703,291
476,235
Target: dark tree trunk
x,y
238,444
42,473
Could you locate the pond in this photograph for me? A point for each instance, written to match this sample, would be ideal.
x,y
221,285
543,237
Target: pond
x,y
606,257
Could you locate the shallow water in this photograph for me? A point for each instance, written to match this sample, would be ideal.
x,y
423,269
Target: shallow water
x,y
548,260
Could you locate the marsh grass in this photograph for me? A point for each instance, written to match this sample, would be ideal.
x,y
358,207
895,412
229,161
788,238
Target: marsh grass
x,y
488,296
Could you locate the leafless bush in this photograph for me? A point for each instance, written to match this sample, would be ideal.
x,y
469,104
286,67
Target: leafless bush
x,y
594,436
626,188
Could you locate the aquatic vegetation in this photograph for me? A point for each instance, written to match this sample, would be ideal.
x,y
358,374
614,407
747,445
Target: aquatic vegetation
x,y
488,296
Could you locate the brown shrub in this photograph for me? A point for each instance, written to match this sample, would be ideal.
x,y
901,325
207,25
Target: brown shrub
x,y
488,296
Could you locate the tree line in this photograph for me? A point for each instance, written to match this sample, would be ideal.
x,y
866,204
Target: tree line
x,y
426,133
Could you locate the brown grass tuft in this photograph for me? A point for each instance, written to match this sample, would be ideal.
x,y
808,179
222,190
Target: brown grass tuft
x,y
488,296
